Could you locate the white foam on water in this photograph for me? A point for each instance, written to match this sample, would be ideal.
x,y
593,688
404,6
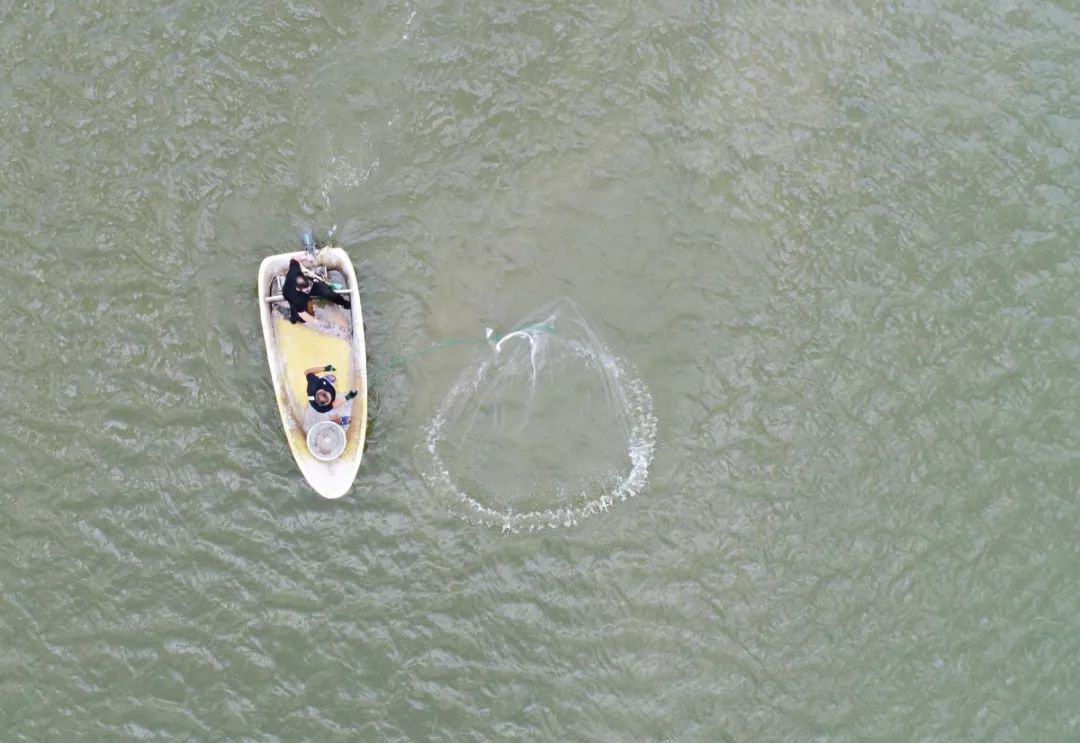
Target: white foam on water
x,y
552,348
340,172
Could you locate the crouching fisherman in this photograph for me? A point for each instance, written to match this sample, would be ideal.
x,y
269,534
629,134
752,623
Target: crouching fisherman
x,y
323,403
299,288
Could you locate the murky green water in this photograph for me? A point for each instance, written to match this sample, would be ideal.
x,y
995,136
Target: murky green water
x,y
836,241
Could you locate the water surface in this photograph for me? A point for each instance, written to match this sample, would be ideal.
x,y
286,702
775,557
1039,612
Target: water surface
x,y
836,241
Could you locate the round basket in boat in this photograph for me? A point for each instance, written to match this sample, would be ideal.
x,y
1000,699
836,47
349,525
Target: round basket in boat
x,y
326,440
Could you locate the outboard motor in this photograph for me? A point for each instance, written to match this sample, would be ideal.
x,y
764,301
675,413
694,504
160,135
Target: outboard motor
x,y
308,241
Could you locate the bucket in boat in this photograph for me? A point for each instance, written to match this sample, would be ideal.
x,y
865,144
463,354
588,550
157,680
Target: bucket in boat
x,y
326,440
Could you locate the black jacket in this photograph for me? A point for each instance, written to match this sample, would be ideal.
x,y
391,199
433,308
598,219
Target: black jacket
x,y
298,300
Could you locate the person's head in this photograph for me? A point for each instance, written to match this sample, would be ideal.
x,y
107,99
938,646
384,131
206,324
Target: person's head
x,y
303,283
322,397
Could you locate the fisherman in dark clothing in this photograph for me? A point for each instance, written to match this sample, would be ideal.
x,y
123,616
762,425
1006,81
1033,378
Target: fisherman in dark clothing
x,y
298,289
322,397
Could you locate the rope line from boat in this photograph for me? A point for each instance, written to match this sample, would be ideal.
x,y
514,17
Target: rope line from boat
x,y
490,338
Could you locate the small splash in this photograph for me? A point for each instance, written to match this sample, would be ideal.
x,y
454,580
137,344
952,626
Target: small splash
x,y
340,173
546,428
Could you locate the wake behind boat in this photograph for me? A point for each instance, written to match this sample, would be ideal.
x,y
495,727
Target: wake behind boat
x,y
325,430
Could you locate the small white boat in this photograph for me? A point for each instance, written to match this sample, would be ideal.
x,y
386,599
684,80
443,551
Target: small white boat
x,y
328,454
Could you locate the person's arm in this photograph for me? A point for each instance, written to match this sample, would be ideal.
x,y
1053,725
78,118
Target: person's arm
x,y
290,292
339,402
294,271
319,369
